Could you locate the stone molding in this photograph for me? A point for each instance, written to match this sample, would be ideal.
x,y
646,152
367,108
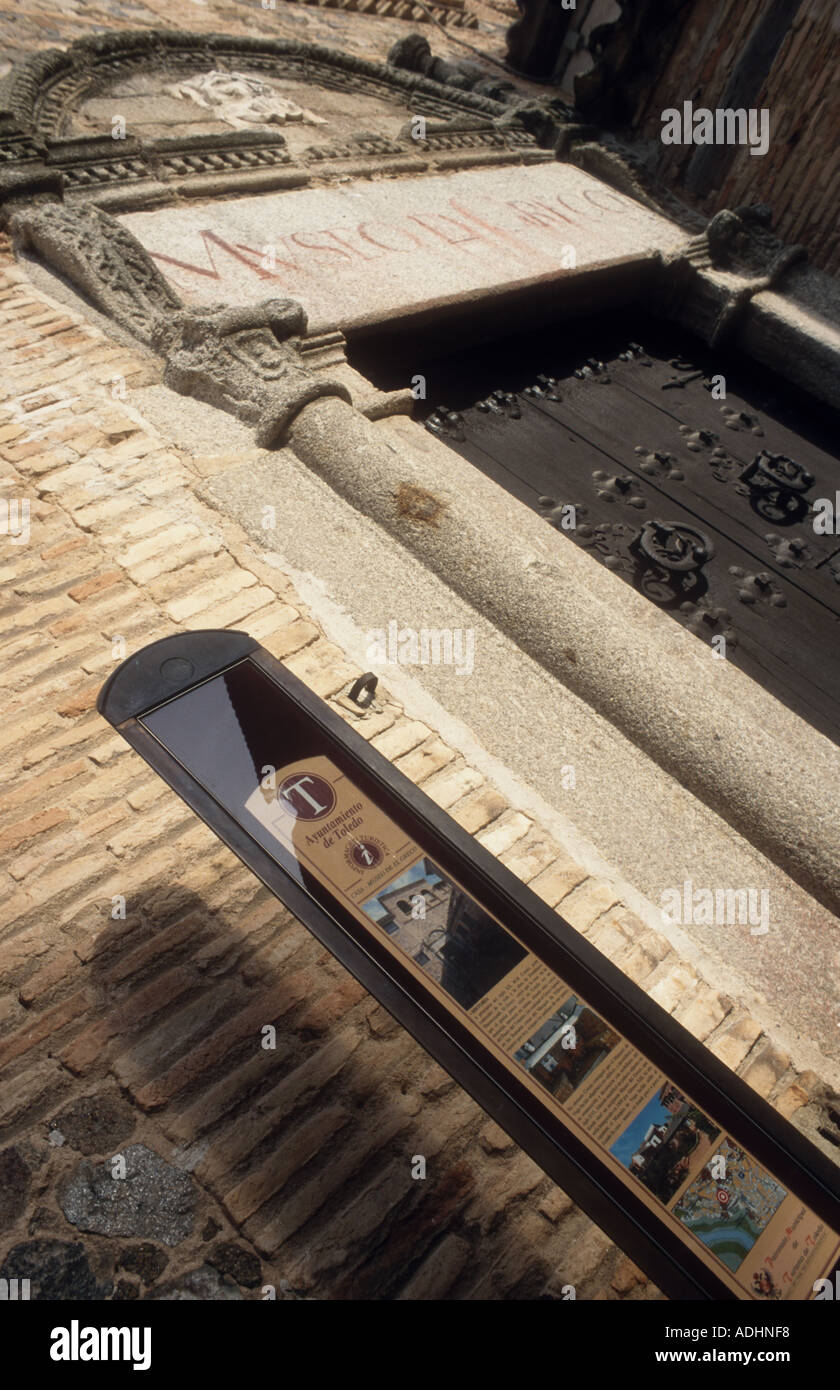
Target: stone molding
x,y
37,98
450,13
719,734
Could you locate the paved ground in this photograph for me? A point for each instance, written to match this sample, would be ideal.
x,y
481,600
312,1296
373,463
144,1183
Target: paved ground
x,y
140,1035
145,1031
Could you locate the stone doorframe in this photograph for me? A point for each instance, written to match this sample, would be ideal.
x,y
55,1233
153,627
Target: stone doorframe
x,y
771,776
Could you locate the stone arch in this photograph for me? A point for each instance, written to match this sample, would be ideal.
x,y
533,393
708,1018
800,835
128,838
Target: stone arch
x,y
41,94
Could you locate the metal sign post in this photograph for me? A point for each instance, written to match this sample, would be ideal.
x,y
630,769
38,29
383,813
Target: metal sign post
x,y
696,1177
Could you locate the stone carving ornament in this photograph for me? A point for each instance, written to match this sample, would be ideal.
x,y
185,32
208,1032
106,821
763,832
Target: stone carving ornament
x,y
242,100
244,360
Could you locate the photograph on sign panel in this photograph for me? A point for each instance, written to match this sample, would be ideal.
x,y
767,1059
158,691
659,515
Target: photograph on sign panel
x,y
567,1048
729,1204
445,932
665,1141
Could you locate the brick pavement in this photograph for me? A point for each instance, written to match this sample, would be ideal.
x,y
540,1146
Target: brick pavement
x,y
146,1029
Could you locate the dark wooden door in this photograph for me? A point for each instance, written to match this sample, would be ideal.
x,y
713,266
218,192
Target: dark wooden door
x,y
704,504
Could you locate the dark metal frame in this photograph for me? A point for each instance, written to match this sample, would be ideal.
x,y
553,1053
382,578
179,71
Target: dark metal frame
x,y
188,659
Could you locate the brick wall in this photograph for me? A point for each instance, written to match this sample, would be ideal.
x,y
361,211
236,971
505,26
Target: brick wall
x,y
799,177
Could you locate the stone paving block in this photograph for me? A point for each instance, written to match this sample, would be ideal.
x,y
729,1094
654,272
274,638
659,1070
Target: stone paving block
x,y
287,639
494,1140
504,832
765,1068
269,1232
555,1205
674,987
703,1014
734,1042
792,1098
401,738
210,1053
79,702
352,1226
449,786
25,1097
80,593
12,836
586,903
608,936
439,1271
584,1255
428,758
557,881
204,596
323,668
286,1159
269,1109
479,809
530,857
626,1276
45,1025
43,981
237,611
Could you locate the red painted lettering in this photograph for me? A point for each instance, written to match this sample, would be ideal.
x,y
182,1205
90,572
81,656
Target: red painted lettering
x,y
240,252
354,250
298,239
441,217
614,200
538,214
413,241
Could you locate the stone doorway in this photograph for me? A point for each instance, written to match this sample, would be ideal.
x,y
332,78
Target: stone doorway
x,y
692,477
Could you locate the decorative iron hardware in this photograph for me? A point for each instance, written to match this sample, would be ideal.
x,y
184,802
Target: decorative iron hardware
x,y
709,622
659,463
447,423
670,558
778,484
790,552
618,488
679,549
740,420
502,403
693,462
757,588
594,369
546,387
698,440
364,686
679,383
558,514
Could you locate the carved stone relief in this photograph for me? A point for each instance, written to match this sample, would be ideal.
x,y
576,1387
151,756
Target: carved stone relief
x,y
242,100
245,360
